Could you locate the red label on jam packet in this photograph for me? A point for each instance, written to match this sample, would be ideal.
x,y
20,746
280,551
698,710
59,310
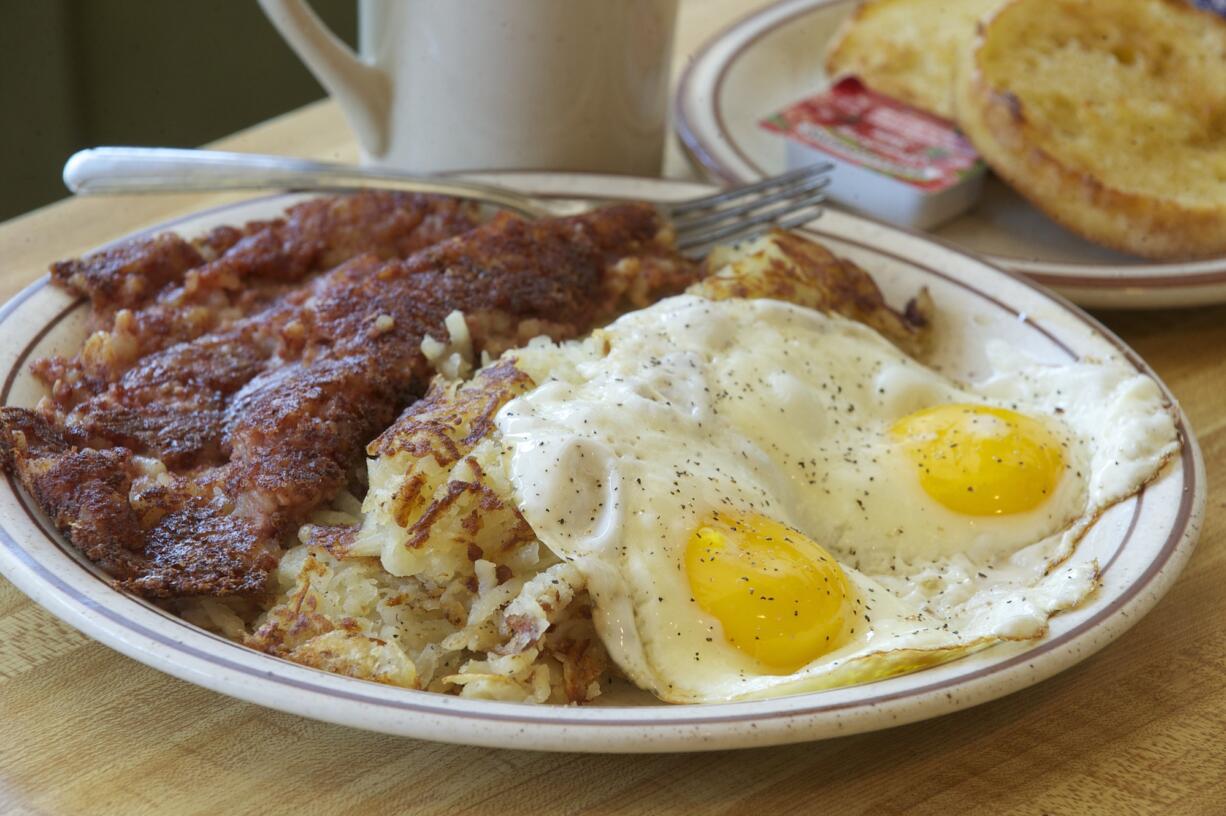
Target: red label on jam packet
x,y
861,126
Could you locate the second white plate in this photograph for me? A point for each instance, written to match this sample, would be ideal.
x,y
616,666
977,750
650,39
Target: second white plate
x,y
774,57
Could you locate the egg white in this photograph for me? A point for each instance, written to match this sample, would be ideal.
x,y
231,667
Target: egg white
x,y
694,406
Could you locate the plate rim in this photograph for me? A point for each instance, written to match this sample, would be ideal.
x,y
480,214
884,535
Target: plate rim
x,y
703,152
735,728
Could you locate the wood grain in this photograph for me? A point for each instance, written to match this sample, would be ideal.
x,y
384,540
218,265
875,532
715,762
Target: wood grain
x,y
1138,729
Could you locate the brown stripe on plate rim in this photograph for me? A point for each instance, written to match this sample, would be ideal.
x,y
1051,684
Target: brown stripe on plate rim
x,y
1175,536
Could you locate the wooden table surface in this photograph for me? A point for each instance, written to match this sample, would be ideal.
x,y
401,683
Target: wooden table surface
x,y
1138,728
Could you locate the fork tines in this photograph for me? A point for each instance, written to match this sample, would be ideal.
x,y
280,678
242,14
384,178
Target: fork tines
x,y
784,201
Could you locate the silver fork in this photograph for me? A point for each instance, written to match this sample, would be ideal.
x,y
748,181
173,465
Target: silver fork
x,y
782,201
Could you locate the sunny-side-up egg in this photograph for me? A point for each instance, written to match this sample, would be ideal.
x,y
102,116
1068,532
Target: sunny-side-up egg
x,y
766,499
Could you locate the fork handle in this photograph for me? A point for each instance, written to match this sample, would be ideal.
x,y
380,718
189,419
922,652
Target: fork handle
x,y
112,170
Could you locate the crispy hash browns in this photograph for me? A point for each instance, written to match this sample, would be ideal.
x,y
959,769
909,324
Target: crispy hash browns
x,y
206,445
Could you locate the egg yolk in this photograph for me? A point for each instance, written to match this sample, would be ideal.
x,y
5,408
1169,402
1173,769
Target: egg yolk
x,y
778,596
980,460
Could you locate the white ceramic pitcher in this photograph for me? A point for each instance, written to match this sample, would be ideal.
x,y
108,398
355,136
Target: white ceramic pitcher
x,y
498,84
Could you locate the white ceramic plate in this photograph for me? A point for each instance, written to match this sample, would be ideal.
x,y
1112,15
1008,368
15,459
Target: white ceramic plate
x,y
1141,544
774,57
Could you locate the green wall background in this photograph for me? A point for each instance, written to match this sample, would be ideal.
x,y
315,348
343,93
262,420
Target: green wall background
x,y
79,73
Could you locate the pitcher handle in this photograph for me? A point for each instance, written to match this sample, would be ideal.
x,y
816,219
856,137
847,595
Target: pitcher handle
x,y
363,92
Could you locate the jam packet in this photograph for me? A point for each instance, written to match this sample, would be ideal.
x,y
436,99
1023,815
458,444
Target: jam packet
x,y
892,161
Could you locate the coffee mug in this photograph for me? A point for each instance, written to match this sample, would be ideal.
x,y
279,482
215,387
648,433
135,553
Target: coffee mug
x,y
497,84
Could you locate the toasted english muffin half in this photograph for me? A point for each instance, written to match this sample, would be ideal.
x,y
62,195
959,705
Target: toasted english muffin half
x,y
908,49
1108,115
